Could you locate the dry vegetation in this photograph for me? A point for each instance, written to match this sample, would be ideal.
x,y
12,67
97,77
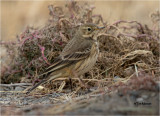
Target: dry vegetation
x,y
128,60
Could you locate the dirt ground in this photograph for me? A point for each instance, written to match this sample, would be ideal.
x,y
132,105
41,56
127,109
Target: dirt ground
x,y
140,102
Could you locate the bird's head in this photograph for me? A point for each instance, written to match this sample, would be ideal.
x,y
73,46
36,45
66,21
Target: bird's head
x,y
89,31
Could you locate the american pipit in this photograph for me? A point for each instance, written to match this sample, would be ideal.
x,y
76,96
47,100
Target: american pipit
x,y
78,56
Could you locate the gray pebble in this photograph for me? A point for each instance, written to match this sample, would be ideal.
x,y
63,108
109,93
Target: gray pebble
x,y
139,99
144,96
19,89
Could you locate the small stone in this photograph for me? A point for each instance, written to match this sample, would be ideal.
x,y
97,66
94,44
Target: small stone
x,y
139,99
93,88
19,89
25,103
117,78
144,96
153,94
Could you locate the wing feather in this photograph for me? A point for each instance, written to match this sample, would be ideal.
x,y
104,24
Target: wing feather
x,y
67,60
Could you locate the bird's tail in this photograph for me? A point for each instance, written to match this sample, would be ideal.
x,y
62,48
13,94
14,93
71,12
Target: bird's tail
x,y
43,81
35,86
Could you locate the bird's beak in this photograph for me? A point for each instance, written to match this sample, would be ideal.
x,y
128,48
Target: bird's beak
x,y
99,28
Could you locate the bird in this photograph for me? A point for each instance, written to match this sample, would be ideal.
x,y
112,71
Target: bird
x,y
78,56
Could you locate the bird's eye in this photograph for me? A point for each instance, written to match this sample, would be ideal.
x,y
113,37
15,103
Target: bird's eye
x,y
89,29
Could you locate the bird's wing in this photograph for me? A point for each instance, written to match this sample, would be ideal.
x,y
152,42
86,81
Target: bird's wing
x,y
69,59
62,62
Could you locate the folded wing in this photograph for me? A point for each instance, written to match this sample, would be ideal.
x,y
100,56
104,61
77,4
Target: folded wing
x,y
67,60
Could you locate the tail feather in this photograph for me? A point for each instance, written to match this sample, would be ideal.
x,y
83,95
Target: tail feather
x,y
35,86
43,81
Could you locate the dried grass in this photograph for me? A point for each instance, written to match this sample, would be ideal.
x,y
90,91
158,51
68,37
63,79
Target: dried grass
x,y
125,48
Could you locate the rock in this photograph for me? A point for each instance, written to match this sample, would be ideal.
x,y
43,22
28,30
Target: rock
x,y
19,89
139,99
144,96
117,78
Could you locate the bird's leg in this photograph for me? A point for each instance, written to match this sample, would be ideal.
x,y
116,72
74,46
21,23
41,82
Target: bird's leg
x,y
82,84
70,82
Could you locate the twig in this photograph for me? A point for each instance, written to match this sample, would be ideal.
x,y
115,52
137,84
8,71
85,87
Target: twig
x,y
121,21
15,84
136,70
103,34
77,79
